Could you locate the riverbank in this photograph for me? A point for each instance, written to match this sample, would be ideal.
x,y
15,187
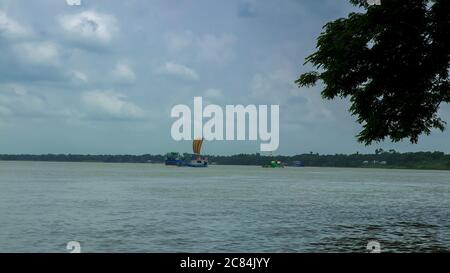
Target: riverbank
x,y
380,160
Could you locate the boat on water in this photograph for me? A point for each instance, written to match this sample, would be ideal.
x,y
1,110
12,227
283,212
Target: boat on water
x,y
274,164
173,159
298,164
199,161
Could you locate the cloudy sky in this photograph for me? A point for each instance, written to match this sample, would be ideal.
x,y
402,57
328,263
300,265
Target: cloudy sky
x,y
102,77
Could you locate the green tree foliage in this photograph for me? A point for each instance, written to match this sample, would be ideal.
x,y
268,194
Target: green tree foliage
x,y
392,62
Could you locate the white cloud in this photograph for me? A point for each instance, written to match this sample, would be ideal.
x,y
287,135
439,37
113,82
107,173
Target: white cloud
x,y
178,70
276,81
110,104
213,93
41,53
123,72
179,41
444,112
217,49
269,85
79,76
11,28
212,96
260,86
298,105
90,26
73,2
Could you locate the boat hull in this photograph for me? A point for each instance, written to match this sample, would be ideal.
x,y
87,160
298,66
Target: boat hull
x,y
173,162
198,164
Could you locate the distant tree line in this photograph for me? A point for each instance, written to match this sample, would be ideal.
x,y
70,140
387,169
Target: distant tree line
x,y
380,159
86,158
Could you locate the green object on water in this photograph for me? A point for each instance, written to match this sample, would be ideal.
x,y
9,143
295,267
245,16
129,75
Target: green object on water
x,y
274,164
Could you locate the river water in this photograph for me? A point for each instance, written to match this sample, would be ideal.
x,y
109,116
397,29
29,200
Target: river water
x,y
154,208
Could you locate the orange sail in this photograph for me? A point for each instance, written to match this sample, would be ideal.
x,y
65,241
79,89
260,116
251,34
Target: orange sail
x,y
197,146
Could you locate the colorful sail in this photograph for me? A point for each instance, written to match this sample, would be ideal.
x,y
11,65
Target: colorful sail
x,y
197,146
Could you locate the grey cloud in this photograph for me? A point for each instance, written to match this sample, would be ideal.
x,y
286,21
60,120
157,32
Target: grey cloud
x,y
216,49
89,29
17,101
246,9
110,105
